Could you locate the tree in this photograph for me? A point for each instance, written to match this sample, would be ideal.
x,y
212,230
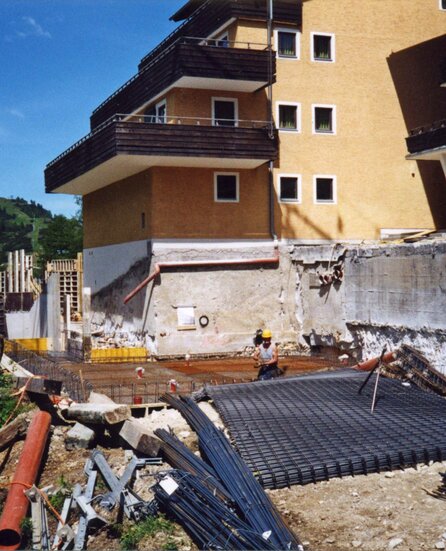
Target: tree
x,y
62,238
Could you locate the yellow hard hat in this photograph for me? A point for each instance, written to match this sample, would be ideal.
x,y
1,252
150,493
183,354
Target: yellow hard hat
x,y
266,334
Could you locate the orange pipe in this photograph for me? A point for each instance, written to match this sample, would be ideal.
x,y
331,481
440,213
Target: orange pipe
x,y
25,476
202,263
368,365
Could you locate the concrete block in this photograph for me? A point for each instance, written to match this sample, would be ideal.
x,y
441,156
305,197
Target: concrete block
x,y
140,438
79,437
102,414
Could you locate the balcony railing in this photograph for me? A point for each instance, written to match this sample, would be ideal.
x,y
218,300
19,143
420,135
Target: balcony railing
x,y
427,138
212,14
157,138
248,64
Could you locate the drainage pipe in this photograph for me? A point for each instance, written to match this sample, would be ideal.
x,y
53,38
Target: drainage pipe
x,y
274,260
25,476
368,365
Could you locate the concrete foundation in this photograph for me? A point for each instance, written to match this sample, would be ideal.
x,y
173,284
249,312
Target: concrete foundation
x,y
353,297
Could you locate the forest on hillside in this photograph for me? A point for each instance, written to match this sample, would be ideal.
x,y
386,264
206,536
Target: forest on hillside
x,y
28,225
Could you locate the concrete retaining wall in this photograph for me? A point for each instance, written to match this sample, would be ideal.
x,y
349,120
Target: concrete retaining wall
x,y
387,294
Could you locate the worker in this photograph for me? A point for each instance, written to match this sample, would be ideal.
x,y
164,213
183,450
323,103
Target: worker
x,y
267,358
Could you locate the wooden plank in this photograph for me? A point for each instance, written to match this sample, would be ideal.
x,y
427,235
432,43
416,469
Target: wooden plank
x,y
14,429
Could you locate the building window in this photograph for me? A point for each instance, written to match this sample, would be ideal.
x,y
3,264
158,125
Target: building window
x,y
157,113
288,116
287,43
442,4
324,119
143,220
289,188
222,41
226,187
324,189
322,47
224,112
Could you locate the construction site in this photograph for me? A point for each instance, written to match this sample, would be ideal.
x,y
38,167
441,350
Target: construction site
x,y
249,350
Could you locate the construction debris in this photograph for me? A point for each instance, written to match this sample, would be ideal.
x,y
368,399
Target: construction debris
x,y
252,502
25,475
79,437
97,414
14,429
416,368
40,385
139,438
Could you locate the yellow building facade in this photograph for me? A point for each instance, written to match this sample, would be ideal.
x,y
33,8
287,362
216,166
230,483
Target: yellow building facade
x,y
362,158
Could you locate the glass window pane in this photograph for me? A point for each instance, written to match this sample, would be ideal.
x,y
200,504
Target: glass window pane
x,y
226,187
224,113
322,47
323,116
287,44
324,189
288,189
161,113
288,117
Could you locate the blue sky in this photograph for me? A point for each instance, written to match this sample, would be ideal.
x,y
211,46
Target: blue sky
x,y
59,59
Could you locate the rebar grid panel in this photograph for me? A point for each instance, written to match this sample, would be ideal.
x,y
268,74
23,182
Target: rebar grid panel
x,y
305,429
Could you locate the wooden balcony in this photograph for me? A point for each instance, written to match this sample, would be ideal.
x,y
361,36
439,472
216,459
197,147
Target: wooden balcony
x,y
121,148
211,15
192,63
428,142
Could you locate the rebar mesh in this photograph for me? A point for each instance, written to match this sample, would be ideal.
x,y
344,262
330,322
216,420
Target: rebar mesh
x,y
310,428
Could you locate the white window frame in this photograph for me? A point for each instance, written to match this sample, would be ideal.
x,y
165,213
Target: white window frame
x,y
297,201
331,132
234,101
298,116
297,42
222,37
332,43
334,201
440,5
237,187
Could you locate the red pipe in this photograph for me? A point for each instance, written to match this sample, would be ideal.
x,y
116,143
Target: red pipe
x,y
368,365
202,263
25,475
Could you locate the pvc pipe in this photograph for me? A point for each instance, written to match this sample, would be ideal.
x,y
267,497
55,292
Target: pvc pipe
x,y
202,263
368,365
25,476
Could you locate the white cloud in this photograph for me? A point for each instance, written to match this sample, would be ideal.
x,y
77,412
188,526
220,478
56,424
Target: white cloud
x,y
16,113
28,27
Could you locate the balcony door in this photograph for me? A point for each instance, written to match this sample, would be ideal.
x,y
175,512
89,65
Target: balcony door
x,y
224,112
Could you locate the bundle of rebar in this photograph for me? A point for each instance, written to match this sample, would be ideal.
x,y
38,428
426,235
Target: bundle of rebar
x,y
208,520
179,456
252,501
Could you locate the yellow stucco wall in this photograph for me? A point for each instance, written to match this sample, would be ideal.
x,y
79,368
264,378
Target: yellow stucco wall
x,y
376,186
113,214
178,202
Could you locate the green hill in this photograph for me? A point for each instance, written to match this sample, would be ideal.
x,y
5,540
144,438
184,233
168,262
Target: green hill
x,y
21,222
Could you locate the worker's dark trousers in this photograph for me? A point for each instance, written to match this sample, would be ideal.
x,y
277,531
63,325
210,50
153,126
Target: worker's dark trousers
x,y
267,372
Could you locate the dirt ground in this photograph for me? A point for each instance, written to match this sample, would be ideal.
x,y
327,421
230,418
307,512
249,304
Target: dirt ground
x,y
375,512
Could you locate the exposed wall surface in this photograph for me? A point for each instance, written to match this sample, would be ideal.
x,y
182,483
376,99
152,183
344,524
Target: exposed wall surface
x,y
389,294
103,265
236,300
29,325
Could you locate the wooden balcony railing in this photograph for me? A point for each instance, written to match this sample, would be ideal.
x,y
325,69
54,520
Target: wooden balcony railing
x,y
177,137
190,57
427,137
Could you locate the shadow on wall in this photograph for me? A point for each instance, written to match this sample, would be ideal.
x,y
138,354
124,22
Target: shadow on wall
x,y
110,299
417,74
